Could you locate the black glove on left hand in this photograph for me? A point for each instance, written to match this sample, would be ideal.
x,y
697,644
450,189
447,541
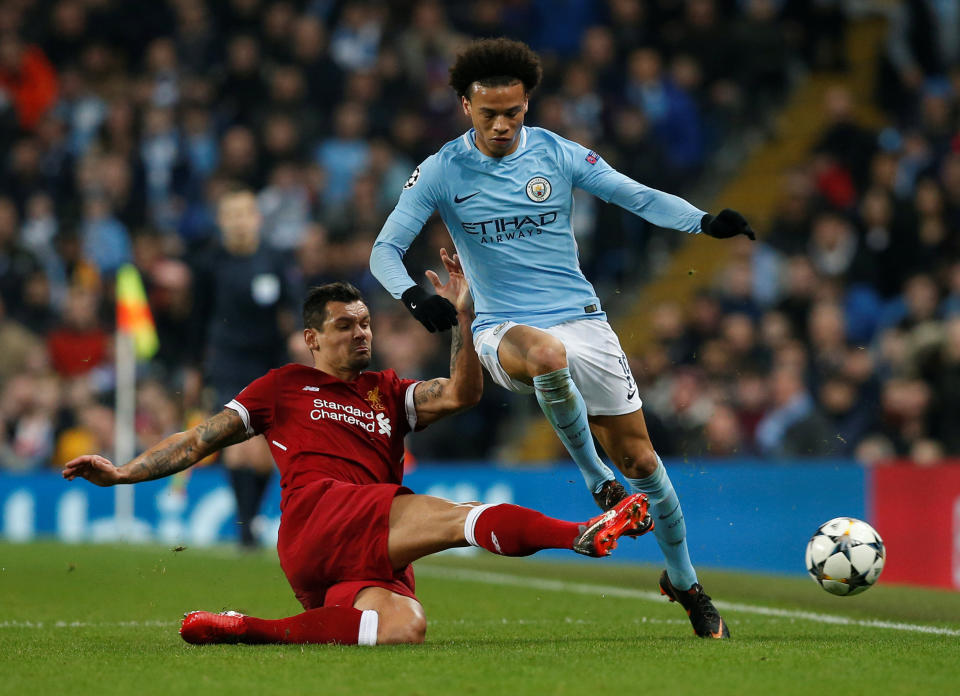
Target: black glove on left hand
x,y
727,223
434,312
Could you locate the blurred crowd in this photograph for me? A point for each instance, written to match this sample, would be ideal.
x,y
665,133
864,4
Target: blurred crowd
x,y
122,123
838,333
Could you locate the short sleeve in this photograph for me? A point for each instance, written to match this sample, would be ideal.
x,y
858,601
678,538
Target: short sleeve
x,y
401,391
418,199
255,403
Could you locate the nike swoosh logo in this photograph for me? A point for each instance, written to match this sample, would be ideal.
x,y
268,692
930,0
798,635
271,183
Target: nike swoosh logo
x,y
663,517
413,305
457,199
719,633
631,394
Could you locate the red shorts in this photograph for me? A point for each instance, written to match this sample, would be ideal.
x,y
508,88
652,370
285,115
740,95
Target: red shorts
x,y
333,542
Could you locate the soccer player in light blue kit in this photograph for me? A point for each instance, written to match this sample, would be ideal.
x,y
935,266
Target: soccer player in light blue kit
x,y
504,191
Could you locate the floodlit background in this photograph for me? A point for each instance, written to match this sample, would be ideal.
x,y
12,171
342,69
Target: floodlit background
x,y
824,359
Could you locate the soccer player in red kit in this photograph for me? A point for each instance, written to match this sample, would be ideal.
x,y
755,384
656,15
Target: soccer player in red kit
x,y
349,529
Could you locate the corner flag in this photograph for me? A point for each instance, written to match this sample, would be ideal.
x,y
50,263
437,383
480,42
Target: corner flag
x,y
133,312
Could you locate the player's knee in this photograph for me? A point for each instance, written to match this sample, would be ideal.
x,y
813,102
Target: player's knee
x,y
546,356
416,630
400,627
639,462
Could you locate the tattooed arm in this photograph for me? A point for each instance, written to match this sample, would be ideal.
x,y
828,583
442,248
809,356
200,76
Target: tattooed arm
x,y
175,453
436,398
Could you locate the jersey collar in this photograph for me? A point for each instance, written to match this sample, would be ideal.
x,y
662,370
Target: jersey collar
x,y
469,138
321,378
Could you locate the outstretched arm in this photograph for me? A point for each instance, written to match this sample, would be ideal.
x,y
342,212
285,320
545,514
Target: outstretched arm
x,y
591,173
175,453
441,397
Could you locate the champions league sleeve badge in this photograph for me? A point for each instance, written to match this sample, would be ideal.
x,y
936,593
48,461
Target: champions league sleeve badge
x,y
413,179
538,189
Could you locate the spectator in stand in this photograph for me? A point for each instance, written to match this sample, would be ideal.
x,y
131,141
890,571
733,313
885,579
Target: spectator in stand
x,y
794,426
740,335
835,249
736,290
722,436
344,155
309,49
848,415
922,43
355,41
18,346
242,91
27,78
751,396
80,343
106,242
790,227
672,112
16,262
429,45
763,51
849,145
827,332
169,288
28,409
239,157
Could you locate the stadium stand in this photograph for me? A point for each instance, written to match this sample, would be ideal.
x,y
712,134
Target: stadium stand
x,y
121,122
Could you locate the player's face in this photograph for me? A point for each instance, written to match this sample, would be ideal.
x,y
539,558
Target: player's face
x,y
497,114
239,220
344,343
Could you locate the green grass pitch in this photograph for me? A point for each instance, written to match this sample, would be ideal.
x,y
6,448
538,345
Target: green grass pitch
x,y
103,620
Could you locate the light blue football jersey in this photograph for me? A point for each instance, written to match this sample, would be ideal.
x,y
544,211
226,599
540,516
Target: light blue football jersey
x,y
509,218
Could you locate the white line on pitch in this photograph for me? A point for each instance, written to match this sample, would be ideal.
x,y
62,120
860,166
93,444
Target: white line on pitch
x,y
629,593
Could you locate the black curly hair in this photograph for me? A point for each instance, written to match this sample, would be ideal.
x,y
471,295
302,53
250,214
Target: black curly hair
x,y
495,63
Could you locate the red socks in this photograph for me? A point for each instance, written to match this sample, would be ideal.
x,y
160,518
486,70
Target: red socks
x,y
344,625
511,530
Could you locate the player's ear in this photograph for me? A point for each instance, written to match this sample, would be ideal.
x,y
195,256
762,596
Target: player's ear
x,y
466,105
310,338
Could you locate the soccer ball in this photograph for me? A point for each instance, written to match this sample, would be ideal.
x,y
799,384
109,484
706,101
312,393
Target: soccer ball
x,y
845,556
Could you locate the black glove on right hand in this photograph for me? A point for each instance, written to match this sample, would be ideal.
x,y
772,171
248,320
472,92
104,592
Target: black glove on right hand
x,y
728,223
434,312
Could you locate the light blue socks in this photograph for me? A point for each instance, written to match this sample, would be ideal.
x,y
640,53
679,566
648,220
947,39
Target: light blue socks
x,y
670,530
566,410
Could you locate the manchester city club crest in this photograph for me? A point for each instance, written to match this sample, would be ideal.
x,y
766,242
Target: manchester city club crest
x,y
538,189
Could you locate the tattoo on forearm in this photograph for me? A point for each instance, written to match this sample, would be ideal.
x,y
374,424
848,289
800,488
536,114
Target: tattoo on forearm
x,y
222,430
181,452
428,391
165,461
455,345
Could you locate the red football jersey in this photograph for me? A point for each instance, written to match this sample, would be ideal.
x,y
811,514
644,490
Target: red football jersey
x,y
320,427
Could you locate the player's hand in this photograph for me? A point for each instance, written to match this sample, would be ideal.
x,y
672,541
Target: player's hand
x,y
94,468
728,223
436,313
455,289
